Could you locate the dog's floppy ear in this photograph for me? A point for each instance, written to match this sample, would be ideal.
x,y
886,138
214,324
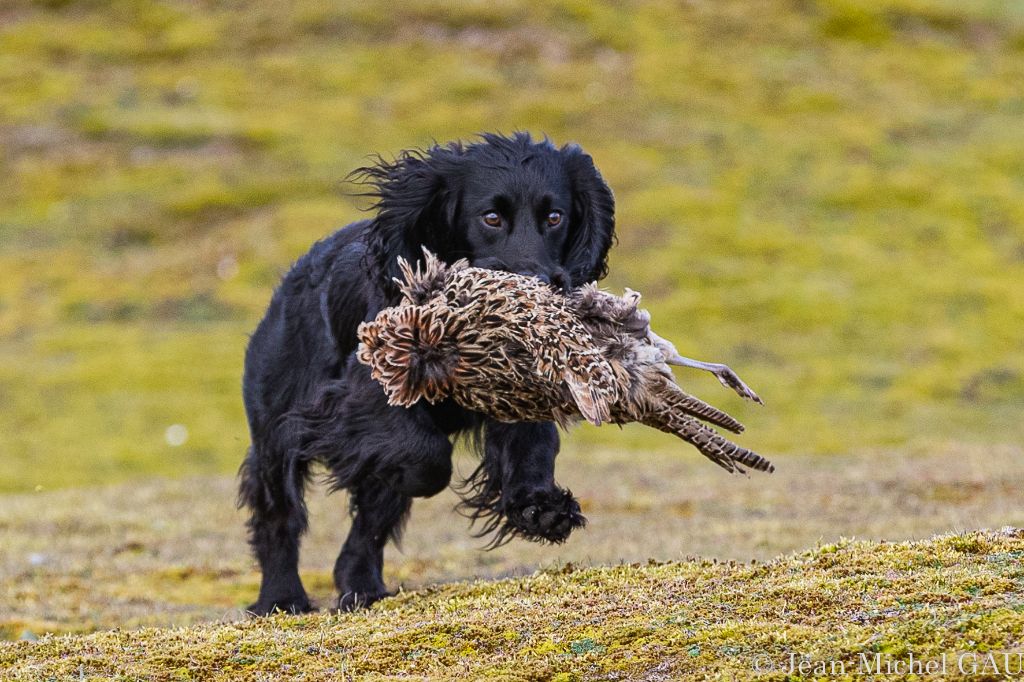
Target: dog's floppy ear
x,y
592,222
416,206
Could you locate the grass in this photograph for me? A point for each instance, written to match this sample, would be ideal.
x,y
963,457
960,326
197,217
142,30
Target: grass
x,y
825,194
162,552
848,604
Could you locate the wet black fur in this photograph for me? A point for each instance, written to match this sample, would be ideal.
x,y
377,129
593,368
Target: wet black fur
x,y
308,399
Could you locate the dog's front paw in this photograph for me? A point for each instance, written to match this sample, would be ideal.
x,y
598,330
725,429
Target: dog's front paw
x,y
292,606
546,516
350,601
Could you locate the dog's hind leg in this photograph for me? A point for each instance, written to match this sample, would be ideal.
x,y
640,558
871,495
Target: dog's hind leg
x,y
277,520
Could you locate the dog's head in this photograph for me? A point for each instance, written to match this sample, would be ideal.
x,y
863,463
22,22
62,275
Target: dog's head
x,y
506,203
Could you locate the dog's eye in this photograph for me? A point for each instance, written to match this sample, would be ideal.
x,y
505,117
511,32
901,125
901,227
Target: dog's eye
x,y
492,219
554,218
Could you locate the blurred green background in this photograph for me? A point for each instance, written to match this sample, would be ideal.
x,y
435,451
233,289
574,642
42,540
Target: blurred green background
x,y
826,194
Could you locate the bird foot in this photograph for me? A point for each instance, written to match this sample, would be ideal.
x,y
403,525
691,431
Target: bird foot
x,y
730,379
722,372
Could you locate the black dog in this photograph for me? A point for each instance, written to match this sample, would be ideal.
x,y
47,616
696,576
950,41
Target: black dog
x,y
506,203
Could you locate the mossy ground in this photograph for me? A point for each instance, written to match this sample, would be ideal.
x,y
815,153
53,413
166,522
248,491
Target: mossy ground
x,y
164,552
954,595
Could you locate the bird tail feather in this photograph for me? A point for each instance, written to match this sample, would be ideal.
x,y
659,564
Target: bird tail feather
x,y
679,399
723,452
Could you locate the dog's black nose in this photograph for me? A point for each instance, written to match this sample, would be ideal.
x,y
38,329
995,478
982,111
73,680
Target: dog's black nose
x,y
557,278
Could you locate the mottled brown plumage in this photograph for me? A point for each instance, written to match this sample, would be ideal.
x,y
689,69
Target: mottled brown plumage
x,y
513,348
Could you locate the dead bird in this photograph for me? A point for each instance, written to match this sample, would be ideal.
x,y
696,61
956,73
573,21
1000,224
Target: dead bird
x,y
516,349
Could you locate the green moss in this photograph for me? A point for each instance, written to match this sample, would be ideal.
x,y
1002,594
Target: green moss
x,y
599,622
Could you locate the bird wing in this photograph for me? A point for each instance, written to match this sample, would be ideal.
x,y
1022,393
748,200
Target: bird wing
x,y
590,382
565,353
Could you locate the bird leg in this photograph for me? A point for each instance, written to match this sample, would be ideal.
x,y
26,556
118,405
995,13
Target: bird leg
x,y
723,373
